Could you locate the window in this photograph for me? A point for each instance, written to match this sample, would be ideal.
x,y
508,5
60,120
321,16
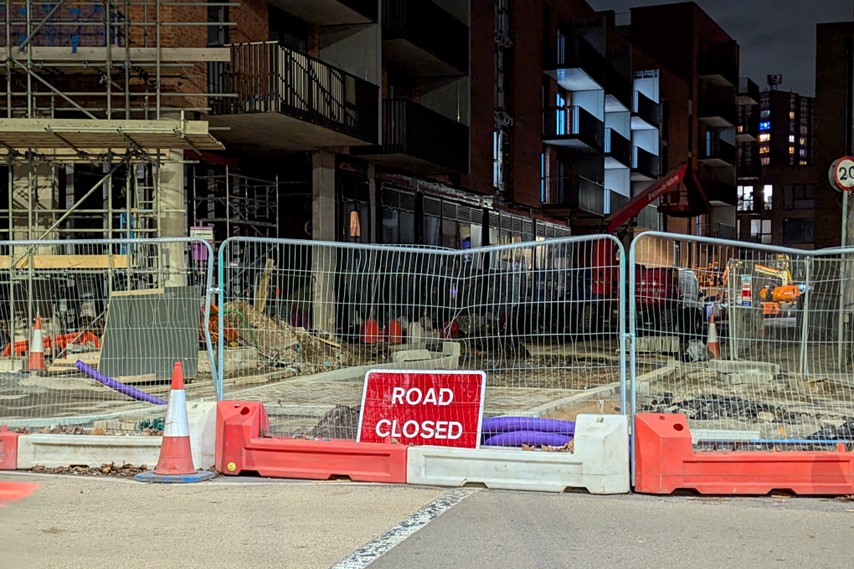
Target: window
x,y
767,196
543,177
765,113
791,150
745,198
764,149
498,160
799,196
765,125
803,141
764,137
804,130
802,163
760,230
791,138
803,152
798,231
764,161
791,115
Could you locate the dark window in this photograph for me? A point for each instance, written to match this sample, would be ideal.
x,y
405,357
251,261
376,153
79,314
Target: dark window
x,y
287,30
798,231
217,13
800,196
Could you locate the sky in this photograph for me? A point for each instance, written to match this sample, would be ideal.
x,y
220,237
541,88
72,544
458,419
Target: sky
x,y
775,36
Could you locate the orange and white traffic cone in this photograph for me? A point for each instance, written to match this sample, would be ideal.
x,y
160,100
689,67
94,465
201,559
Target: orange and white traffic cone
x,y
175,463
712,343
36,359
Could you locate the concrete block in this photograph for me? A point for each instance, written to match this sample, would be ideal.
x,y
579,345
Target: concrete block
x,y
93,450
657,344
599,463
748,377
730,366
411,356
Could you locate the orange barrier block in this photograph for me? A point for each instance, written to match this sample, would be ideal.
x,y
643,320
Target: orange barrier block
x,y
21,348
241,446
665,461
8,449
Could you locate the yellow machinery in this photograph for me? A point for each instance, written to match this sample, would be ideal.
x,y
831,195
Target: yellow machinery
x,y
776,297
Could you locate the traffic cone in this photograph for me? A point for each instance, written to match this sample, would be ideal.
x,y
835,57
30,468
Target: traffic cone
x,y
36,359
712,343
175,463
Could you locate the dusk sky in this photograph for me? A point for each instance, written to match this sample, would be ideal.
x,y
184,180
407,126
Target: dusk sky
x,y
776,36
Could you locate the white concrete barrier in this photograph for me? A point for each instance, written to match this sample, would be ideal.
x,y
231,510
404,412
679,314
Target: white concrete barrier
x,y
54,451
599,463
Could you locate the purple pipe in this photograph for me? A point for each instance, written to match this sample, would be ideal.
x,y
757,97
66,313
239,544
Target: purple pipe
x,y
504,424
534,438
118,385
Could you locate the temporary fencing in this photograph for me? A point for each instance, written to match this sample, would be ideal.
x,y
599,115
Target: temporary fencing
x,y
114,317
784,371
301,322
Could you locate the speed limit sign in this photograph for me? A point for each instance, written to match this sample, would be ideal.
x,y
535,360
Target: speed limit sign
x,y
841,174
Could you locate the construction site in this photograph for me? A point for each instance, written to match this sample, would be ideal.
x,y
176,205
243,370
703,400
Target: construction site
x,y
137,230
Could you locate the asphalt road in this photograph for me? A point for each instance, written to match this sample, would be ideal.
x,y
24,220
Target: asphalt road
x,y
95,523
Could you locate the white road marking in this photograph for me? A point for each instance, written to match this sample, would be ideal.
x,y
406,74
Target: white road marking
x,y
371,551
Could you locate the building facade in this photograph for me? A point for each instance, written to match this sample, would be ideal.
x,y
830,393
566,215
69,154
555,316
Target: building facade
x,y
777,172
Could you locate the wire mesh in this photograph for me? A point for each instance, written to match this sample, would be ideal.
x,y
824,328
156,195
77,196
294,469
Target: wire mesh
x,y
302,322
751,342
111,317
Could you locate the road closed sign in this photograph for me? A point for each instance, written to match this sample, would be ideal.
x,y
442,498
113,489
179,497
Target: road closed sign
x,y
441,408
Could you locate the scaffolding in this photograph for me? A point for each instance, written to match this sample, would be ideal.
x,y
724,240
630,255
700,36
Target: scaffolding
x,y
234,205
103,101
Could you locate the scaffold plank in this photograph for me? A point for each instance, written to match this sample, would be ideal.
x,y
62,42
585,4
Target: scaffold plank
x,y
136,55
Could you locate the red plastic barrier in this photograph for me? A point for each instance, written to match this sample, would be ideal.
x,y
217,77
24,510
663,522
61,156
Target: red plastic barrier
x,y
665,461
8,449
241,447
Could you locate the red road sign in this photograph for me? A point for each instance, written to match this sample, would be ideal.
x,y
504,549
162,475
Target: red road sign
x,y
441,408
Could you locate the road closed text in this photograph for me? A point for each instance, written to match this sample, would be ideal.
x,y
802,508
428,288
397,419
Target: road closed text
x,y
441,408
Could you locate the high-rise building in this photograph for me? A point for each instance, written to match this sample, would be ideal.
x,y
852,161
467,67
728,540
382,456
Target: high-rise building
x,y
777,176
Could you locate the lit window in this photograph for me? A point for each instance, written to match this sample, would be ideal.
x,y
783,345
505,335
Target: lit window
x,y
803,141
792,115
745,198
765,125
765,113
764,149
767,196
791,139
765,137
791,150
802,163
803,152
764,160
803,130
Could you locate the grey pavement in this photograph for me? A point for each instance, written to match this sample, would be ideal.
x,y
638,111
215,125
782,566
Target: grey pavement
x,y
94,523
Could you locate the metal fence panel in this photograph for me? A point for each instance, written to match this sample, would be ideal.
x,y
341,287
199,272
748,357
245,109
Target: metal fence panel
x,y
302,321
114,317
780,372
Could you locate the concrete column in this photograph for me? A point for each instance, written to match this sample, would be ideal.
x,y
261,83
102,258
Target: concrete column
x,y
323,259
173,219
375,218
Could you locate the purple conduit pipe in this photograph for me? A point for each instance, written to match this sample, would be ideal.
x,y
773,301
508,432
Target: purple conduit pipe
x,y
534,438
118,385
495,425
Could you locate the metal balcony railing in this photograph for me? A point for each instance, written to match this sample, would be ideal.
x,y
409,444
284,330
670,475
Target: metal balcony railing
x,y
270,78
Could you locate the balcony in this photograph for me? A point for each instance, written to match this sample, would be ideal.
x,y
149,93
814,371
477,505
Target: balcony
x,y
618,150
562,195
419,140
573,127
618,91
717,107
646,166
296,102
718,230
748,172
330,12
424,39
748,91
717,153
718,64
646,113
720,193
748,128
576,65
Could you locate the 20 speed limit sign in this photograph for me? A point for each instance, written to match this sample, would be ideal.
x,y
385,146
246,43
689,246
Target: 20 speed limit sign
x,y
841,174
